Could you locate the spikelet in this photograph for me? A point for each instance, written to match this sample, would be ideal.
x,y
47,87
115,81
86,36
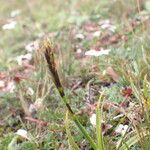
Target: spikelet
x,y
49,56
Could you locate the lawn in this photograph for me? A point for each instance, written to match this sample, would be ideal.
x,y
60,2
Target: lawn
x,y
74,75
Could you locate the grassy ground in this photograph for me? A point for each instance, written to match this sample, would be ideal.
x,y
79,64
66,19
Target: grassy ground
x,y
28,97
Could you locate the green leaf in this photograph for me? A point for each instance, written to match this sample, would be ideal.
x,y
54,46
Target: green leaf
x,y
70,138
84,132
100,142
132,140
145,92
13,144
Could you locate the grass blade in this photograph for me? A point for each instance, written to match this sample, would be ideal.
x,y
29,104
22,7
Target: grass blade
x,y
70,138
133,140
84,132
100,142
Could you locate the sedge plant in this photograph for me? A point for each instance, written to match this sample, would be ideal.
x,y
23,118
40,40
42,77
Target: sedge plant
x,y
49,56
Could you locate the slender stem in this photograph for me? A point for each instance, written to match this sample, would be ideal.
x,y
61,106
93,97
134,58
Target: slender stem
x,y
84,132
77,122
100,141
49,56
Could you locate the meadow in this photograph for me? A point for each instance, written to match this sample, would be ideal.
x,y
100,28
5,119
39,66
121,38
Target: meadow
x,y
74,75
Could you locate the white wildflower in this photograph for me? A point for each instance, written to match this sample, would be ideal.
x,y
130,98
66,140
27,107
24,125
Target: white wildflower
x,y
38,103
79,36
121,129
79,51
93,119
24,58
112,28
10,25
93,52
11,87
15,13
30,91
2,83
32,108
33,46
23,133
97,34
104,72
105,24
102,22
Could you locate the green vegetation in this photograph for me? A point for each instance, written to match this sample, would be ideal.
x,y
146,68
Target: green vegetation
x,y
90,89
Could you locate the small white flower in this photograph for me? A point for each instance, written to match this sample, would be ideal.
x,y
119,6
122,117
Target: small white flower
x,y
32,108
24,58
30,91
121,129
79,51
38,103
109,27
23,133
97,34
11,87
10,25
27,56
15,13
33,46
107,21
2,84
93,52
105,24
104,73
93,119
36,106
79,36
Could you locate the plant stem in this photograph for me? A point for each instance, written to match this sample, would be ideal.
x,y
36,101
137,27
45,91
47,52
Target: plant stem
x,y
100,142
49,56
84,132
